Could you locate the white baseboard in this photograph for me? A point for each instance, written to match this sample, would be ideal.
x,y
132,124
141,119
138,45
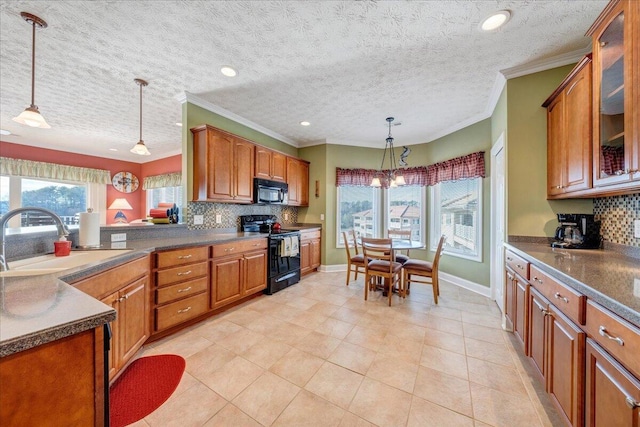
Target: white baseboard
x,y
444,277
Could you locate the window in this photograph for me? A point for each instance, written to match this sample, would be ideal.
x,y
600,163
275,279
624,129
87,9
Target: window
x,y
164,195
456,212
65,198
357,210
405,213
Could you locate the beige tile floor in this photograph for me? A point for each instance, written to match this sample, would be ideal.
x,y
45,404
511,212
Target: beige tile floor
x,y
317,354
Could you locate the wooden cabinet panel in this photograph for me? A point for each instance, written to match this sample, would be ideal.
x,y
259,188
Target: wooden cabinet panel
x,y
181,290
180,311
226,280
134,318
521,323
238,246
298,180
270,164
509,300
565,371
315,253
555,137
538,309
305,257
310,251
103,284
517,264
278,167
223,166
568,300
181,273
177,257
612,396
255,272
113,301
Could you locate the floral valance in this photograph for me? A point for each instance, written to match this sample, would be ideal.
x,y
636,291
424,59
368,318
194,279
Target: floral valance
x,y
465,167
31,169
160,181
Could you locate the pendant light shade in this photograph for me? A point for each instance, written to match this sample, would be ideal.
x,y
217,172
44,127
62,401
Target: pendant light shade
x,y
140,148
392,176
31,115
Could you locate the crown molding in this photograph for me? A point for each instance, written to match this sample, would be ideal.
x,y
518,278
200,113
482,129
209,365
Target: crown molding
x,y
546,64
209,106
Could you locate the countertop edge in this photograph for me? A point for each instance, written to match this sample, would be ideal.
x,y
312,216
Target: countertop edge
x,y
609,303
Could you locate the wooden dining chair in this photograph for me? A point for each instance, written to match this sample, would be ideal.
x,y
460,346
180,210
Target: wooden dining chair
x,y
355,263
401,234
425,272
381,265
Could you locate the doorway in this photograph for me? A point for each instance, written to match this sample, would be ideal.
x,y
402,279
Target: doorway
x,y
498,222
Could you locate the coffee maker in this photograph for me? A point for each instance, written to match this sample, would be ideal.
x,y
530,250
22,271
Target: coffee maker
x,y
577,231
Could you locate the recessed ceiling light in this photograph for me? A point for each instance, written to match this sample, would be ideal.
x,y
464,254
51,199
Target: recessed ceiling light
x,y
495,20
179,124
228,71
113,149
305,123
4,132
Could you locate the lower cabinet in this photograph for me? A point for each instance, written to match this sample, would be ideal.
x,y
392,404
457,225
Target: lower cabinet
x,y
521,323
310,251
612,393
126,289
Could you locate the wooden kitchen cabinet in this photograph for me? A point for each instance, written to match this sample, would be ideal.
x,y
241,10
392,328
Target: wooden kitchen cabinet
x,y
569,133
310,251
616,147
518,268
270,164
238,269
612,395
298,180
537,334
126,289
223,166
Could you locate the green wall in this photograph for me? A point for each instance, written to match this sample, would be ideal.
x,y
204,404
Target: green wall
x,y
499,117
529,213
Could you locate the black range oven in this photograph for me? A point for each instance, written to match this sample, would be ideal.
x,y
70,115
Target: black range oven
x,y
284,251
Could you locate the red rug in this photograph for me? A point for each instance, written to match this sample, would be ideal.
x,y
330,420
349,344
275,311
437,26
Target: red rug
x,y
145,385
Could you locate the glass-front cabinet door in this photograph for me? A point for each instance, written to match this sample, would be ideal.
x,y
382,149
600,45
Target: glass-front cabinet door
x,y
614,133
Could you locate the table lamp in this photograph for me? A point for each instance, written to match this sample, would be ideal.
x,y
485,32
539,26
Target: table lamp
x,y
120,205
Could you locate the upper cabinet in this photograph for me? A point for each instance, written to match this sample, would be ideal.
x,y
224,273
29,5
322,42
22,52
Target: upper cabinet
x,y
569,133
223,166
270,164
616,149
298,180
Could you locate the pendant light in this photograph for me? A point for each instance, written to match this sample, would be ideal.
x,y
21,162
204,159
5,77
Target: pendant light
x,y
140,148
393,177
31,116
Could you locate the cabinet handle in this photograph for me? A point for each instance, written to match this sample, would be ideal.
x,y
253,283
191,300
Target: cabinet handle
x,y
186,273
509,258
541,308
519,266
572,86
184,310
229,249
510,276
185,256
631,403
184,290
558,296
538,280
604,333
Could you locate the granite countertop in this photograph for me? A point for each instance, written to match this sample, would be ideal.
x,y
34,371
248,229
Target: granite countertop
x,y
609,278
38,309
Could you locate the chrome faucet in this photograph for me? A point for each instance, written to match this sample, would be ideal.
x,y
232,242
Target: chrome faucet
x,y
62,229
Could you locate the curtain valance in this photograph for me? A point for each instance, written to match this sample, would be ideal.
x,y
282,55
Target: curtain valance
x,y
31,169
165,180
464,167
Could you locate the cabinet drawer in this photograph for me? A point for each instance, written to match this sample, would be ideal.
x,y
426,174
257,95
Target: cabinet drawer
x,y
181,311
517,264
179,274
620,338
181,290
238,246
570,302
181,256
309,235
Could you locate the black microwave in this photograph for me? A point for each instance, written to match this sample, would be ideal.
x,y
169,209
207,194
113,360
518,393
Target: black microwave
x,y
266,192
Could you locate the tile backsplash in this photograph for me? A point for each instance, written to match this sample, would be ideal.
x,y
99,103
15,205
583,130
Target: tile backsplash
x,y
229,214
617,214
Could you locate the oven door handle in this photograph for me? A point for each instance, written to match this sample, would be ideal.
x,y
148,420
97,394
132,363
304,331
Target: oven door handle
x,y
285,277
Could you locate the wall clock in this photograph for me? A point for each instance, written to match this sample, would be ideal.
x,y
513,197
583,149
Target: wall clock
x,y
125,182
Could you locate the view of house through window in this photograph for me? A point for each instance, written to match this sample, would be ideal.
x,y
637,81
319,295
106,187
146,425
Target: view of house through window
x,y
456,213
405,212
66,199
358,209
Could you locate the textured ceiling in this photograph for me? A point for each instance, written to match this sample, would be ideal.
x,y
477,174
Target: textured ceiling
x,y
342,65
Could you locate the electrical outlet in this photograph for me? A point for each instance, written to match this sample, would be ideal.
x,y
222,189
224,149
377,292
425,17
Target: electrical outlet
x,y
321,217
119,245
636,228
198,219
119,237
286,217
218,219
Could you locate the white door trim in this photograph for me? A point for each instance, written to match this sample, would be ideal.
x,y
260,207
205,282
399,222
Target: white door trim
x,y
498,231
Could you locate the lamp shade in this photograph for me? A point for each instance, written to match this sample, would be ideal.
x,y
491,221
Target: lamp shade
x,y
32,117
120,204
140,149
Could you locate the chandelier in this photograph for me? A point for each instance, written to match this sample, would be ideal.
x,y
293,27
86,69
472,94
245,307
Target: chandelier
x,y
140,148
392,175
